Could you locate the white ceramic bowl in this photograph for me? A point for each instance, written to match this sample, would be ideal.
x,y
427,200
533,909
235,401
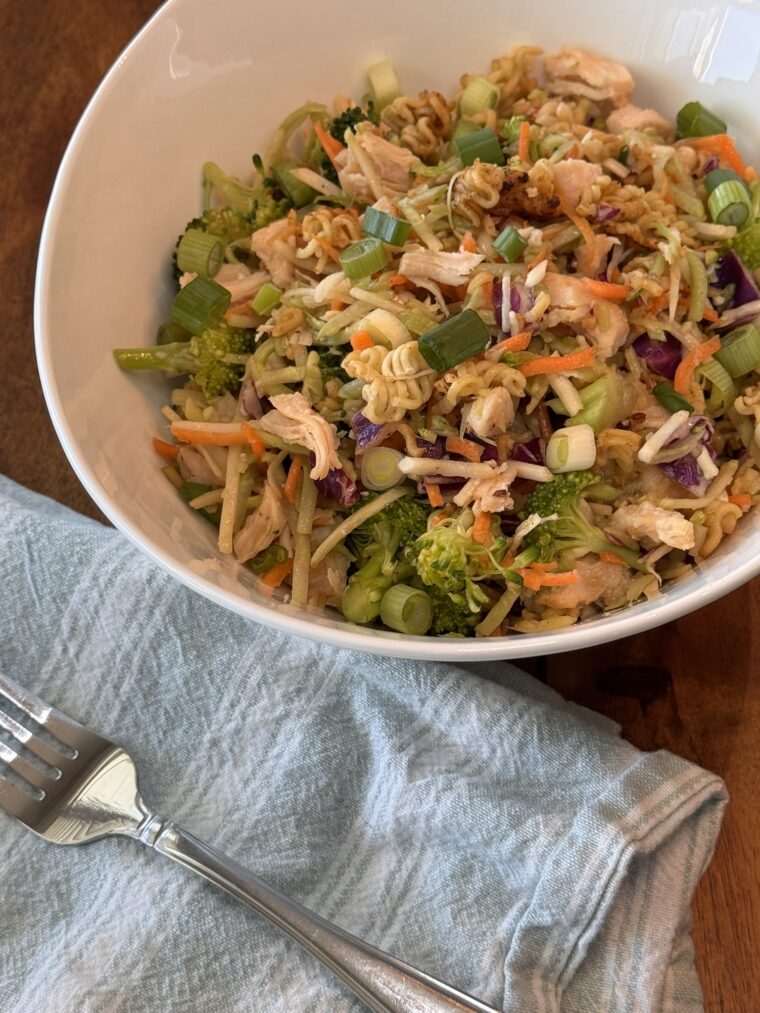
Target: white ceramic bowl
x,y
206,81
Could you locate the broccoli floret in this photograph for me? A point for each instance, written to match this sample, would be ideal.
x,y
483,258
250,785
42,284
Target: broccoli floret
x,y
330,367
260,204
747,245
225,223
448,558
338,127
203,358
569,528
380,545
449,617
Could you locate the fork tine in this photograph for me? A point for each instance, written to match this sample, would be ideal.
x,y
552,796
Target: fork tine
x,y
57,723
32,742
13,800
31,774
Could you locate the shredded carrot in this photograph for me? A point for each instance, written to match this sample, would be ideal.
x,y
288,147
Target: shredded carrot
x,y
465,448
468,244
530,578
523,142
481,530
611,557
290,488
211,434
278,573
741,499
398,280
517,343
507,561
558,363
658,304
434,495
606,290
709,314
254,440
361,340
488,291
166,450
331,252
721,145
572,152
693,358
331,147
542,254
580,223
336,304
544,567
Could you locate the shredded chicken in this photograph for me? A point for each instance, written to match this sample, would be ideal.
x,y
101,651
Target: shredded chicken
x,y
607,328
447,268
489,494
262,526
631,117
295,421
572,176
527,196
275,246
575,72
645,520
194,466
371,167
601,582
491,413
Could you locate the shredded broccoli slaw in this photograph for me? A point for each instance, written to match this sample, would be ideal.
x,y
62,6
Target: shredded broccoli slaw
x,y
471,366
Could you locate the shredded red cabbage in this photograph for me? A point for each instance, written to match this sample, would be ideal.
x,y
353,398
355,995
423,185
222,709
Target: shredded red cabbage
x,y
367,433
435,450
686,472
731,271
662,357
605,213
336,485
531,452
249,400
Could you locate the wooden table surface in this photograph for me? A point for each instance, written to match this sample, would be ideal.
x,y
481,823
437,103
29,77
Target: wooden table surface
x,y
692,687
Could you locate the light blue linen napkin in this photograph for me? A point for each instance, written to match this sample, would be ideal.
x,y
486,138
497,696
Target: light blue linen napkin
x,y
470,822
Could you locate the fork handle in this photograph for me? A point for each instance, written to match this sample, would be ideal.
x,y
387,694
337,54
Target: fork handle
x,y
385,984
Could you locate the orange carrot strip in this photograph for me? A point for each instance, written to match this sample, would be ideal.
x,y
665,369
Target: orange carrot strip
x,y
331,252
434,494
361,340
468,244
255,441
465,448
530,578
690,361
398,280
278,573
290,487
481,530
488,291
658,304
212,434
721,145
523,142
741,499
606,290
331,147
709,314
558,363
517,343
166,450
612,557
336,304
544,567
560,579
580,223
507,561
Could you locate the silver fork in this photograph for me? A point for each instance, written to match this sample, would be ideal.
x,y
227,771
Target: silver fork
x,y
87,789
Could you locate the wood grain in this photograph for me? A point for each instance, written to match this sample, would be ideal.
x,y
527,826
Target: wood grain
x,y
691,687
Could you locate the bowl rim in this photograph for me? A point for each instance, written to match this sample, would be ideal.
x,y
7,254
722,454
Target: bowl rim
x,y
623,623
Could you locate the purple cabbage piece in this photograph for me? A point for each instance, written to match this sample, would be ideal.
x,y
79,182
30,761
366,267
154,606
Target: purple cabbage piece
x,y
367,433
520,298
731,271
434,450
337,485
249,400
605,213
662,357
711,164
686,472
531,452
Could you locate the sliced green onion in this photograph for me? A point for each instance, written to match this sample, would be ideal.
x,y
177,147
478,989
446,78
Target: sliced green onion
x,y
266,298
407,610
571,449
693,120
393,231
510,130
200,252
729,203
481,144
386,328
624,154
479,95
718,176
363,258
740,350
697,286
455,340
167,334
668,398
199,305
509,244
273,556
723,393
464,127
293,187
383,83
380,468
417,321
